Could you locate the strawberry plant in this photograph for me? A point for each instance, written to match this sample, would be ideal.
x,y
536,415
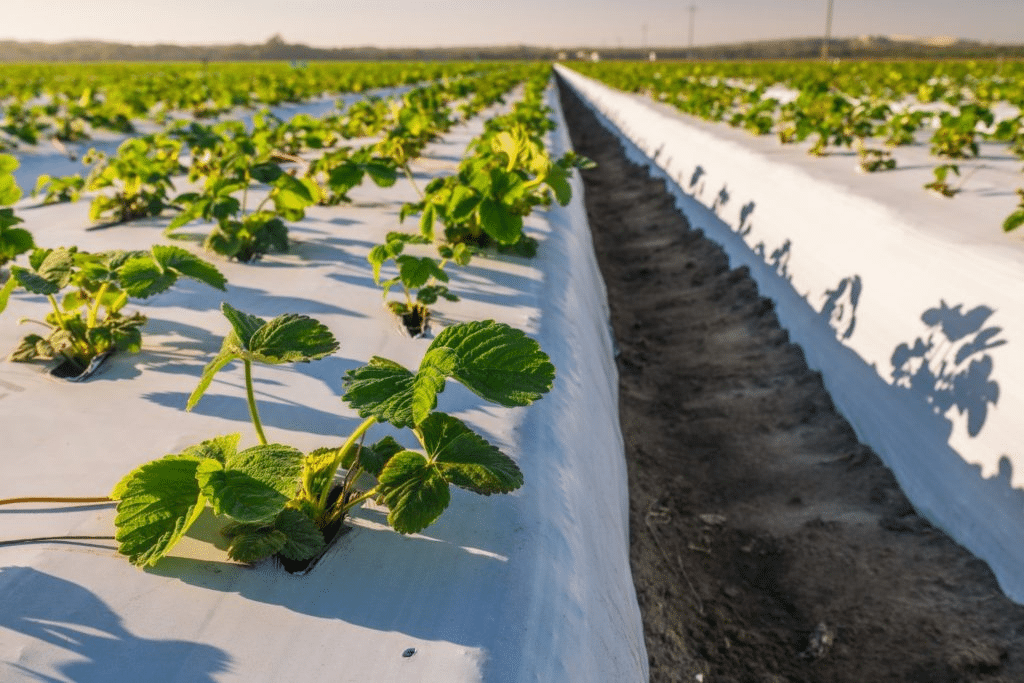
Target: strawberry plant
x,y
420,118
140,174
13,241
873,160
56,189
87,322
230,161
423,275
337,171
276,500
484,204
956,136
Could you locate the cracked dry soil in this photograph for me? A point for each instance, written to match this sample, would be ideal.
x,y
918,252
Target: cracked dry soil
x,y
767,544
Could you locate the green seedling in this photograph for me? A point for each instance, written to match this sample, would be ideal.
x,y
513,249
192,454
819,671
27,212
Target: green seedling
x,y
422,278
275,500
140,175
230,162
88,322
58,189
485,203
940,184
873,160
957,134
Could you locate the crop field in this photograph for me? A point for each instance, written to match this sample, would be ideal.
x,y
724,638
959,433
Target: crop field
x,y
324,349
375,223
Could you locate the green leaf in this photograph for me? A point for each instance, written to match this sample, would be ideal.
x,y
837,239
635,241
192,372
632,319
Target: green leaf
x,y
8,164
374,458
462,202
275,465
5,292
292,338
380,254
244,325
266,172
382,173
304,539
427,221
417,271
31,347
142,277
497,362
13,241
53,273
219,448
250,543
344,177
159,502
466,459
318,468
189,265
436,367
414,491
382,389
9,190
1012,222
557,179
237,494
499,223
227,354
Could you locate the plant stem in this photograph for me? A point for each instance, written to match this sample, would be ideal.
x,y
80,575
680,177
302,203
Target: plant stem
x,y
251,396
95,309
57,312
342,452
359,499
49,499
408,174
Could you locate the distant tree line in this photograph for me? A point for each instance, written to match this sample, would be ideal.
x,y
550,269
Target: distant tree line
x,y
276,49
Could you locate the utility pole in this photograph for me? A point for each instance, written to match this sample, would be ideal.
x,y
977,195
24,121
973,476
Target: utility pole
x,y
828,31
693,10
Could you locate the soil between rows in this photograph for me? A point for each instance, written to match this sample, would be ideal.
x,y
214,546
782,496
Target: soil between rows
x,y
767,544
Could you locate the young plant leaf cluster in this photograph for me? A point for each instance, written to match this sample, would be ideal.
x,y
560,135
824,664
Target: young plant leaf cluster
x,y
139,175
230,162
276,500
88,320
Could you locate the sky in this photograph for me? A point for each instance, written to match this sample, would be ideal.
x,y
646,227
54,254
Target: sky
x,y
552,23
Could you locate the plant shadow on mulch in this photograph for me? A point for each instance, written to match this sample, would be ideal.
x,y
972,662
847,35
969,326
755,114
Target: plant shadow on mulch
x,y
767,544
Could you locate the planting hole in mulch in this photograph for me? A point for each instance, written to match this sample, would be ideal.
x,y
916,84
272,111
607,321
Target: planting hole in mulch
x,y
415,322
766,542
332,533
73,372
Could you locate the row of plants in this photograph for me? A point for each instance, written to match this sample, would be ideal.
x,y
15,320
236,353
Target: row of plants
x,y
273,499
506,173
289,164
67,102
871,108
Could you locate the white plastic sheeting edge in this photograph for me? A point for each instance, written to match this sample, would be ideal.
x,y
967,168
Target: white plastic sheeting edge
x,y
534,586
908,304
